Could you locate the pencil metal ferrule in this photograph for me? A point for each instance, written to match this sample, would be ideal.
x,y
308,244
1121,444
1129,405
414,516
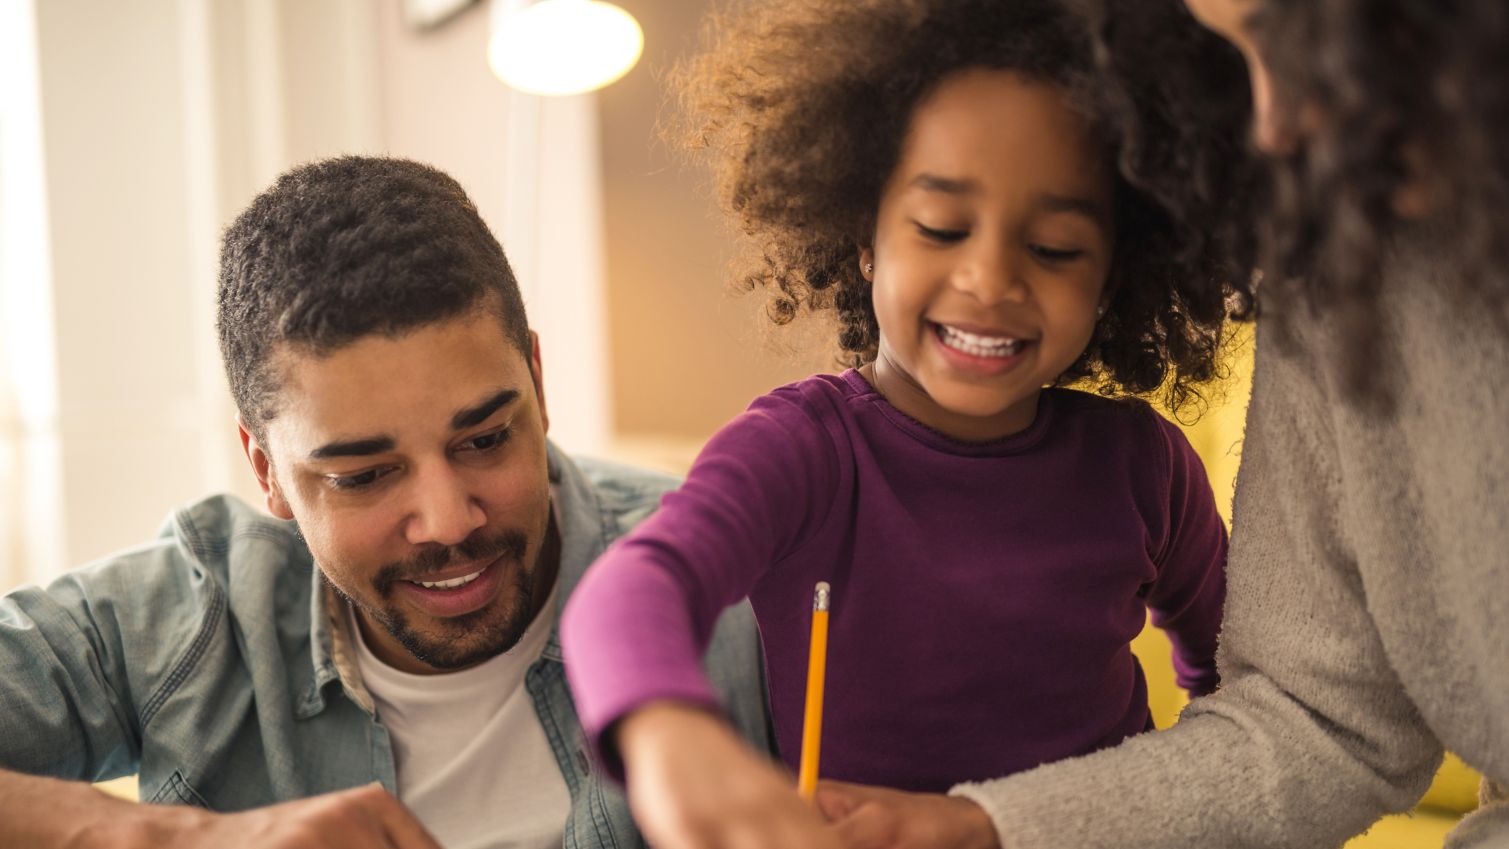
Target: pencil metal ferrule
x,y
820,596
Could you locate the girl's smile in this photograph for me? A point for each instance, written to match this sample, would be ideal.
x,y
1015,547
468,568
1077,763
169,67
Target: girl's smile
x,y
983,352
993,240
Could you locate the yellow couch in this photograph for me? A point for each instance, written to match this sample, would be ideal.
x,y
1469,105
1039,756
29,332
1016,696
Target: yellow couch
x,y
1217,436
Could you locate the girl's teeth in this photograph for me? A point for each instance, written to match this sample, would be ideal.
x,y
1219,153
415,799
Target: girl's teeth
x,y
976,345
452,583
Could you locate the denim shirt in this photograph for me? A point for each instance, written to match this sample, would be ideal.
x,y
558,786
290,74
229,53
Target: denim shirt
x,y
213,663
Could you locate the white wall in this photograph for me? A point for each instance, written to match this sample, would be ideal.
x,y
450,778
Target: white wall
x,y
31,531
135,422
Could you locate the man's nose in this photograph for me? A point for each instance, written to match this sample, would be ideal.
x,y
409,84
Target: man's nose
x,y
443,510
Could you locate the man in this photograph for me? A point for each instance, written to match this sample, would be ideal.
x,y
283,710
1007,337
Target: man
x,y
392,630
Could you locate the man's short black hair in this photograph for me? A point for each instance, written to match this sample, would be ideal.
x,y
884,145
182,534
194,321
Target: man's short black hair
x,y
345,248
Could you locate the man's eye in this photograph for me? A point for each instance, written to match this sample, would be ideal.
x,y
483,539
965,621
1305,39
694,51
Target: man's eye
x,y
1048,254
360,480
942,236
487,441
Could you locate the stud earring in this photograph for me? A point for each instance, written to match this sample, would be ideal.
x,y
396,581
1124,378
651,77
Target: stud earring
x,y
869,268
1100,311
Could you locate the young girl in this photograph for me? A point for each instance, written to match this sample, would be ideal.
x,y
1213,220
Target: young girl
x,y
935,172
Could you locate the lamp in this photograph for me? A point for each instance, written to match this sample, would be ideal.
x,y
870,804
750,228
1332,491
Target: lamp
x,y
562,47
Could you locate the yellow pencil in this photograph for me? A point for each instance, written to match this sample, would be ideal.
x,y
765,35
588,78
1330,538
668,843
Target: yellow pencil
x,y
812,720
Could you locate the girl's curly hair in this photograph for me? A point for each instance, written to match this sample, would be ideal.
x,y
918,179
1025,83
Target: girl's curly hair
x,y
1407,98
803,105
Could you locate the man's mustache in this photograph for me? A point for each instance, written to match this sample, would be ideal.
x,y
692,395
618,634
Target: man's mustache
x,y
476,548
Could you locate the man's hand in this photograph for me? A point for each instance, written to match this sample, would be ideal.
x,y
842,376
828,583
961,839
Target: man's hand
x,y
45,813
361,818
878,818
694,784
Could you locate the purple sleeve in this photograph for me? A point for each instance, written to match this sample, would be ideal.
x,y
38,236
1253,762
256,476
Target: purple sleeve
x,y
635,628
1187,599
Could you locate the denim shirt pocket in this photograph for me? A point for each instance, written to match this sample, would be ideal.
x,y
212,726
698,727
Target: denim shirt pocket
x,y
177,791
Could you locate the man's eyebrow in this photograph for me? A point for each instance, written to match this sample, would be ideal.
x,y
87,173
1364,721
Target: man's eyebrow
x,y
478,414
947,185
353,448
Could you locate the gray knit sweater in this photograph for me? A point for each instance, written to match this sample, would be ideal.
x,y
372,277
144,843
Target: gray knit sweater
x,y
1367,619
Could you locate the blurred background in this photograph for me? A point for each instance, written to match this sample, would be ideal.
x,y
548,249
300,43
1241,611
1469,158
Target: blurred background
x,y
131,133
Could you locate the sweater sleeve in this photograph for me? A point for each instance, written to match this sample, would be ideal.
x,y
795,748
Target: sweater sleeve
x,y
1311,736
635,628
1188,596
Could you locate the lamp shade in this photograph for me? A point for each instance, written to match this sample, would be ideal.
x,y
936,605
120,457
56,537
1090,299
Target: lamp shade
x,y
562,47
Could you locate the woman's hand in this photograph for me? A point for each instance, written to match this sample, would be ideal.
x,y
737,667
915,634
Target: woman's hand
x,y
694,784
878,818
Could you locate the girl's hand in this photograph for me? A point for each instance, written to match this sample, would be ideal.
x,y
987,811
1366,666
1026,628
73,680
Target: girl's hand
x,y
694,784
878,818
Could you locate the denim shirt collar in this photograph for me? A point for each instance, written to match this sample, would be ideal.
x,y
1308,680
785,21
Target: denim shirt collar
x,y
582,526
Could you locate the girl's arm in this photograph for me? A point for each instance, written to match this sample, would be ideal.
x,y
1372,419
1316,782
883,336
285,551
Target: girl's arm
x,y
635,629
1187,598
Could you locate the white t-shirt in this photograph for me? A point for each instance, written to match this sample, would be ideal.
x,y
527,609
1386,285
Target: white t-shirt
x,y
473,762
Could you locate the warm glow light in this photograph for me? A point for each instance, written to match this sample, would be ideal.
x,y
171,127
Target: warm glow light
x,y
559,47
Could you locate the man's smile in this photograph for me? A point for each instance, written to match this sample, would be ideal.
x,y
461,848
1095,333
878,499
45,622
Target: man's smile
x,y
450,583
451,597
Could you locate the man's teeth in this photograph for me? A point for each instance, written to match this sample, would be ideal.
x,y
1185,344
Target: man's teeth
x,y
452,583
977,345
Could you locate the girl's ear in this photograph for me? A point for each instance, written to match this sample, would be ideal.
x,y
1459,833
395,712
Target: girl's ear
x,y
1107,295
867,263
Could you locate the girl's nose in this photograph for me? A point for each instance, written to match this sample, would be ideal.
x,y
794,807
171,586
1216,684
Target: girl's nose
x,y
991,275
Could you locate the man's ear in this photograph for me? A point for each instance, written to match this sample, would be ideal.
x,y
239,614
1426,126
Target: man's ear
x,y
537,373
261,465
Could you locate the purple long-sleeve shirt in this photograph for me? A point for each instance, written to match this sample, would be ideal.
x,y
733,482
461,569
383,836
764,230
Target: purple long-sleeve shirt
x,y
984,595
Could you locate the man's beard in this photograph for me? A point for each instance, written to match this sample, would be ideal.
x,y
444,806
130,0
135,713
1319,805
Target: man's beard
x,y
473,637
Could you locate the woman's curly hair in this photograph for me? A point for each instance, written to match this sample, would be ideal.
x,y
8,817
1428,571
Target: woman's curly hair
x,y
803,106
1404,98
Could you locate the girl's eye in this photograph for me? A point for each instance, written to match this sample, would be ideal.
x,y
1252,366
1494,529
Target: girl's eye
x,y
486,442
941,236
1047,254
360,480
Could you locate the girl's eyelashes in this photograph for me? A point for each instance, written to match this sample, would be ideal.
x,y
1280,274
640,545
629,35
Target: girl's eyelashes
x,y
1047,254
1044,253
941,236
